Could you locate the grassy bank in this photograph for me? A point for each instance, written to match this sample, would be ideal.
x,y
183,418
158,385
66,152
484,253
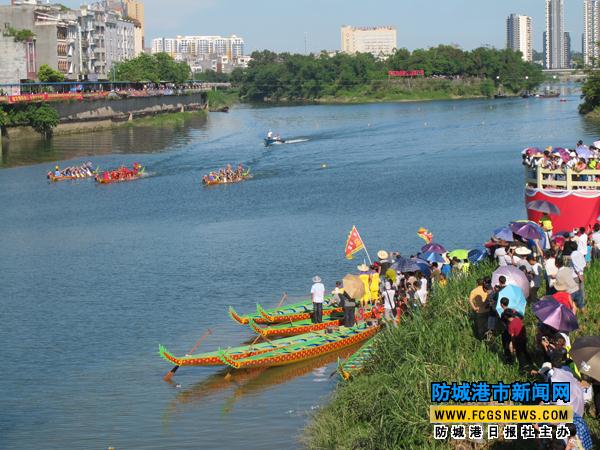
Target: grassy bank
x,y
167,119
220,99
387,407
594,116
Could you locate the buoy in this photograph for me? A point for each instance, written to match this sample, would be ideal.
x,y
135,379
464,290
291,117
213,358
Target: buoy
x,y
323,166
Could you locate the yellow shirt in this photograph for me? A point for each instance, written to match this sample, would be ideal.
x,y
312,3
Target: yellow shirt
x,y
477,299
374,286
365,279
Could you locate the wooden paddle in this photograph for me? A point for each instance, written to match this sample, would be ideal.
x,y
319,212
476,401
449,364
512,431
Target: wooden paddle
x,y
171,372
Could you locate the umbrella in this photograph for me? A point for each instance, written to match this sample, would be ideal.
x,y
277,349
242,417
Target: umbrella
x,y
576,392
564,154
584,152
423,266
528,230
406,265
477,255
586,354
433,257
460,254
433,248
513,276
543,207
353,286
532,151
555,315
503,233
516,299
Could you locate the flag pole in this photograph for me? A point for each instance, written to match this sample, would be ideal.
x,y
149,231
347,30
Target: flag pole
x,y
365,248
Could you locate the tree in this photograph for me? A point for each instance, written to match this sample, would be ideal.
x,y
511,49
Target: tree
x,y
43,119
47,74
154,68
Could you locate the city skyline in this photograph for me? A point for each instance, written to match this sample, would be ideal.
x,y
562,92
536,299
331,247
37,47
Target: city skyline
x,y
268,25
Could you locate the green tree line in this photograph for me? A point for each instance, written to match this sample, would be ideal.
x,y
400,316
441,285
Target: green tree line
x,y
152,68
288,76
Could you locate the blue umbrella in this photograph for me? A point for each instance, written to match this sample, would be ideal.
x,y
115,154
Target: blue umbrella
x,y
503,233
477,255
405,265
433,257
516,299
423,266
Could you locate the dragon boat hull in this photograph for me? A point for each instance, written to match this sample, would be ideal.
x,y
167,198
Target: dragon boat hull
x,y
316,344
245,177
355,362
302,326
293,314
140,174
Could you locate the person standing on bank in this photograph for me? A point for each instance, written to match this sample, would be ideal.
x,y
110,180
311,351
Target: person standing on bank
x,y
318,293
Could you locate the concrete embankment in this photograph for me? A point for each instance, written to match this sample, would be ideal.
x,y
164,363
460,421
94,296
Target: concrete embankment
x,y
91,115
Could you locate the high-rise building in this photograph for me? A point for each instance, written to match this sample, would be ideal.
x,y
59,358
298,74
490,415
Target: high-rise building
x,y
554,37
135,11
379,41
518,35
191,47
567,51
591,30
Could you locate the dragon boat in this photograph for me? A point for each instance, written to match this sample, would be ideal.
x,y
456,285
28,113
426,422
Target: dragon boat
x,y
132,177
244,351
64,177
309,345
245,176
306,325
289,313
295,312
356,362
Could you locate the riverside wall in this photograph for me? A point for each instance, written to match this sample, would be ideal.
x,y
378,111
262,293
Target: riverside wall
x,y
90,115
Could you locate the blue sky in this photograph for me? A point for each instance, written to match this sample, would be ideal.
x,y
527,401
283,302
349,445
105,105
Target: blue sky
x,y
281,25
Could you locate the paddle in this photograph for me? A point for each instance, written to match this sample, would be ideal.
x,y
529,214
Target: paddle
x,y
171,372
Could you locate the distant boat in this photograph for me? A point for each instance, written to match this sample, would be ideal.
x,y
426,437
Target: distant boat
x,y
273,141
500,96
549,94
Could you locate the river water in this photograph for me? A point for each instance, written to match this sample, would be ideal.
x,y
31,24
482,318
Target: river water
x,y
95,277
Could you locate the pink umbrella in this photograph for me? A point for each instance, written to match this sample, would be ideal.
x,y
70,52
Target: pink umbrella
x,y
513,276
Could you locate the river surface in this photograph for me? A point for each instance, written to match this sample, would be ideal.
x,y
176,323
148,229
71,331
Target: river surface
x,y
94,277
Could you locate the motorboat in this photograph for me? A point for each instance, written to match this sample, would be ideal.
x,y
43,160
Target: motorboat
x,y
273,140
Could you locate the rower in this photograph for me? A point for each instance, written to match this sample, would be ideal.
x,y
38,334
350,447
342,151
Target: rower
x,y
270,135
57,171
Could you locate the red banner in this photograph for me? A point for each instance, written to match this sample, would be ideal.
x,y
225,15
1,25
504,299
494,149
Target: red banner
x,y
406,73
354,243
44,97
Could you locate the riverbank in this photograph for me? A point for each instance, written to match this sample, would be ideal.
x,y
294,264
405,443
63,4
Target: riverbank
x,y
221,101
388,405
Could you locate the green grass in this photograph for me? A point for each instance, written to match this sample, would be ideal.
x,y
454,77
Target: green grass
x,y
167,119
387,406
218,99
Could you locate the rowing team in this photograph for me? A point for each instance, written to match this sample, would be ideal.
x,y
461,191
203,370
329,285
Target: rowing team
x,y
82,171
122,173
226,175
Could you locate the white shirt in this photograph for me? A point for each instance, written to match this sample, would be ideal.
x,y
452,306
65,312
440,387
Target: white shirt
x,y
582,242
318,292
596,239
536,269
388,297
422,297
578,262
551,270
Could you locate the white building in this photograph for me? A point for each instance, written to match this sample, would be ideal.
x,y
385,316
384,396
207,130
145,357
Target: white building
x,y
518,35
591,30
554,36
189,48
379,41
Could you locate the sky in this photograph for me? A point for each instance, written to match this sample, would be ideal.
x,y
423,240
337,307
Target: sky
x,y
282,25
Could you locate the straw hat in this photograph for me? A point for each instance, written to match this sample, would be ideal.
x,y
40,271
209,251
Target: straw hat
x,y
316,279
523,251
382,254
363,268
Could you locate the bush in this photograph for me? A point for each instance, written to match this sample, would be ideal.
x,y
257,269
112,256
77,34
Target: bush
x,y
47,74
43,119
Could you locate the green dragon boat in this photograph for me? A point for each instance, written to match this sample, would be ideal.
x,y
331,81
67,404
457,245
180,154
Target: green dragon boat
x,y
289,313
356,362
244,351
310,346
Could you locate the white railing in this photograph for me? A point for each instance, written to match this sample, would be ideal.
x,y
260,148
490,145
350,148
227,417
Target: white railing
x,y
567,179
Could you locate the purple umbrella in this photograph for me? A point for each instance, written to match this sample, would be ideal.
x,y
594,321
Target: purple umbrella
x,y
543,206
526,229
405,265
513,276
532,151
433,248
555,315
564,154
